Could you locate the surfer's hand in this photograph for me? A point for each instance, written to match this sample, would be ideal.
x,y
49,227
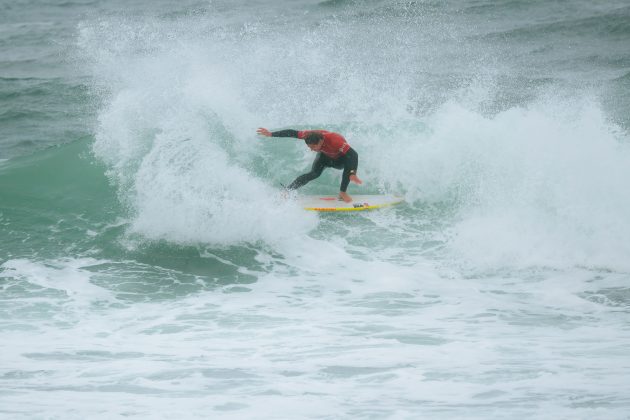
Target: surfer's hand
x,y
345,197
355,179
264,132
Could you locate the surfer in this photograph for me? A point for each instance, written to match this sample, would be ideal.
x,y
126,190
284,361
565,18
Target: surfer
x,y
332,152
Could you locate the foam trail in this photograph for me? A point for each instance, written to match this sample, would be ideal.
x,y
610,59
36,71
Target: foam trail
x,y
68,276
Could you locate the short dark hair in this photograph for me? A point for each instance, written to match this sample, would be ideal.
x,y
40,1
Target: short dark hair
x,y
313,137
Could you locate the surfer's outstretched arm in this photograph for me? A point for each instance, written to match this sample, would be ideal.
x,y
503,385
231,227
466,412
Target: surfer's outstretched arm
x,y
285,133
281,133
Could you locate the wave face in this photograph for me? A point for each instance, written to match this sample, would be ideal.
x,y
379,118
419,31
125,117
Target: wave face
x,y
434,113
147,249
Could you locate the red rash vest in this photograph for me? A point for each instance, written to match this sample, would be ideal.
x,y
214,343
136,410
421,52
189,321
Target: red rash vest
x,y
334,144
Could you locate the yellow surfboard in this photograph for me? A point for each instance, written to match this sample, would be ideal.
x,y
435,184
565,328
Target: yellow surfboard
x,y
359,202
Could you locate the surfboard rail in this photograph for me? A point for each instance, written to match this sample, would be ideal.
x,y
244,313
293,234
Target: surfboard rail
x,y
359,203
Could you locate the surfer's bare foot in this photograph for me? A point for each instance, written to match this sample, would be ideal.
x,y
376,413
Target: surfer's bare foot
x,y
355,179
345,197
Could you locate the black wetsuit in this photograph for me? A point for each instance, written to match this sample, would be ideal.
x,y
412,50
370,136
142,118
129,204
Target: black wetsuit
x,y
348,161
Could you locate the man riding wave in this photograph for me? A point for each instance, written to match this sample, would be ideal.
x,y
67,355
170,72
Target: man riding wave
x,y
332,152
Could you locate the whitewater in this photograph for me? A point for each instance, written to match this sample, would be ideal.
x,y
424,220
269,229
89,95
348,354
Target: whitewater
x,y
150,266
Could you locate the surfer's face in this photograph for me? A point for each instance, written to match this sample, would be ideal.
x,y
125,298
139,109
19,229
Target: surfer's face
x,y
316,147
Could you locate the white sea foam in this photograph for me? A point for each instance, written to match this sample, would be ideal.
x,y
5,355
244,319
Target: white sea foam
x,y
543,185
67,276
175,148
338,338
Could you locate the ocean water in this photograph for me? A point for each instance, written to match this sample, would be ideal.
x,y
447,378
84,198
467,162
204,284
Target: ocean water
x,y
150,267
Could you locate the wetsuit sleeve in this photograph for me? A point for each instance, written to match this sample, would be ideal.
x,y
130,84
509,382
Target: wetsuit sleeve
x,y
286,133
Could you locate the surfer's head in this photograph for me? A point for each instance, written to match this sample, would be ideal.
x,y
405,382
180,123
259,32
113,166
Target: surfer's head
x,y
314,140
